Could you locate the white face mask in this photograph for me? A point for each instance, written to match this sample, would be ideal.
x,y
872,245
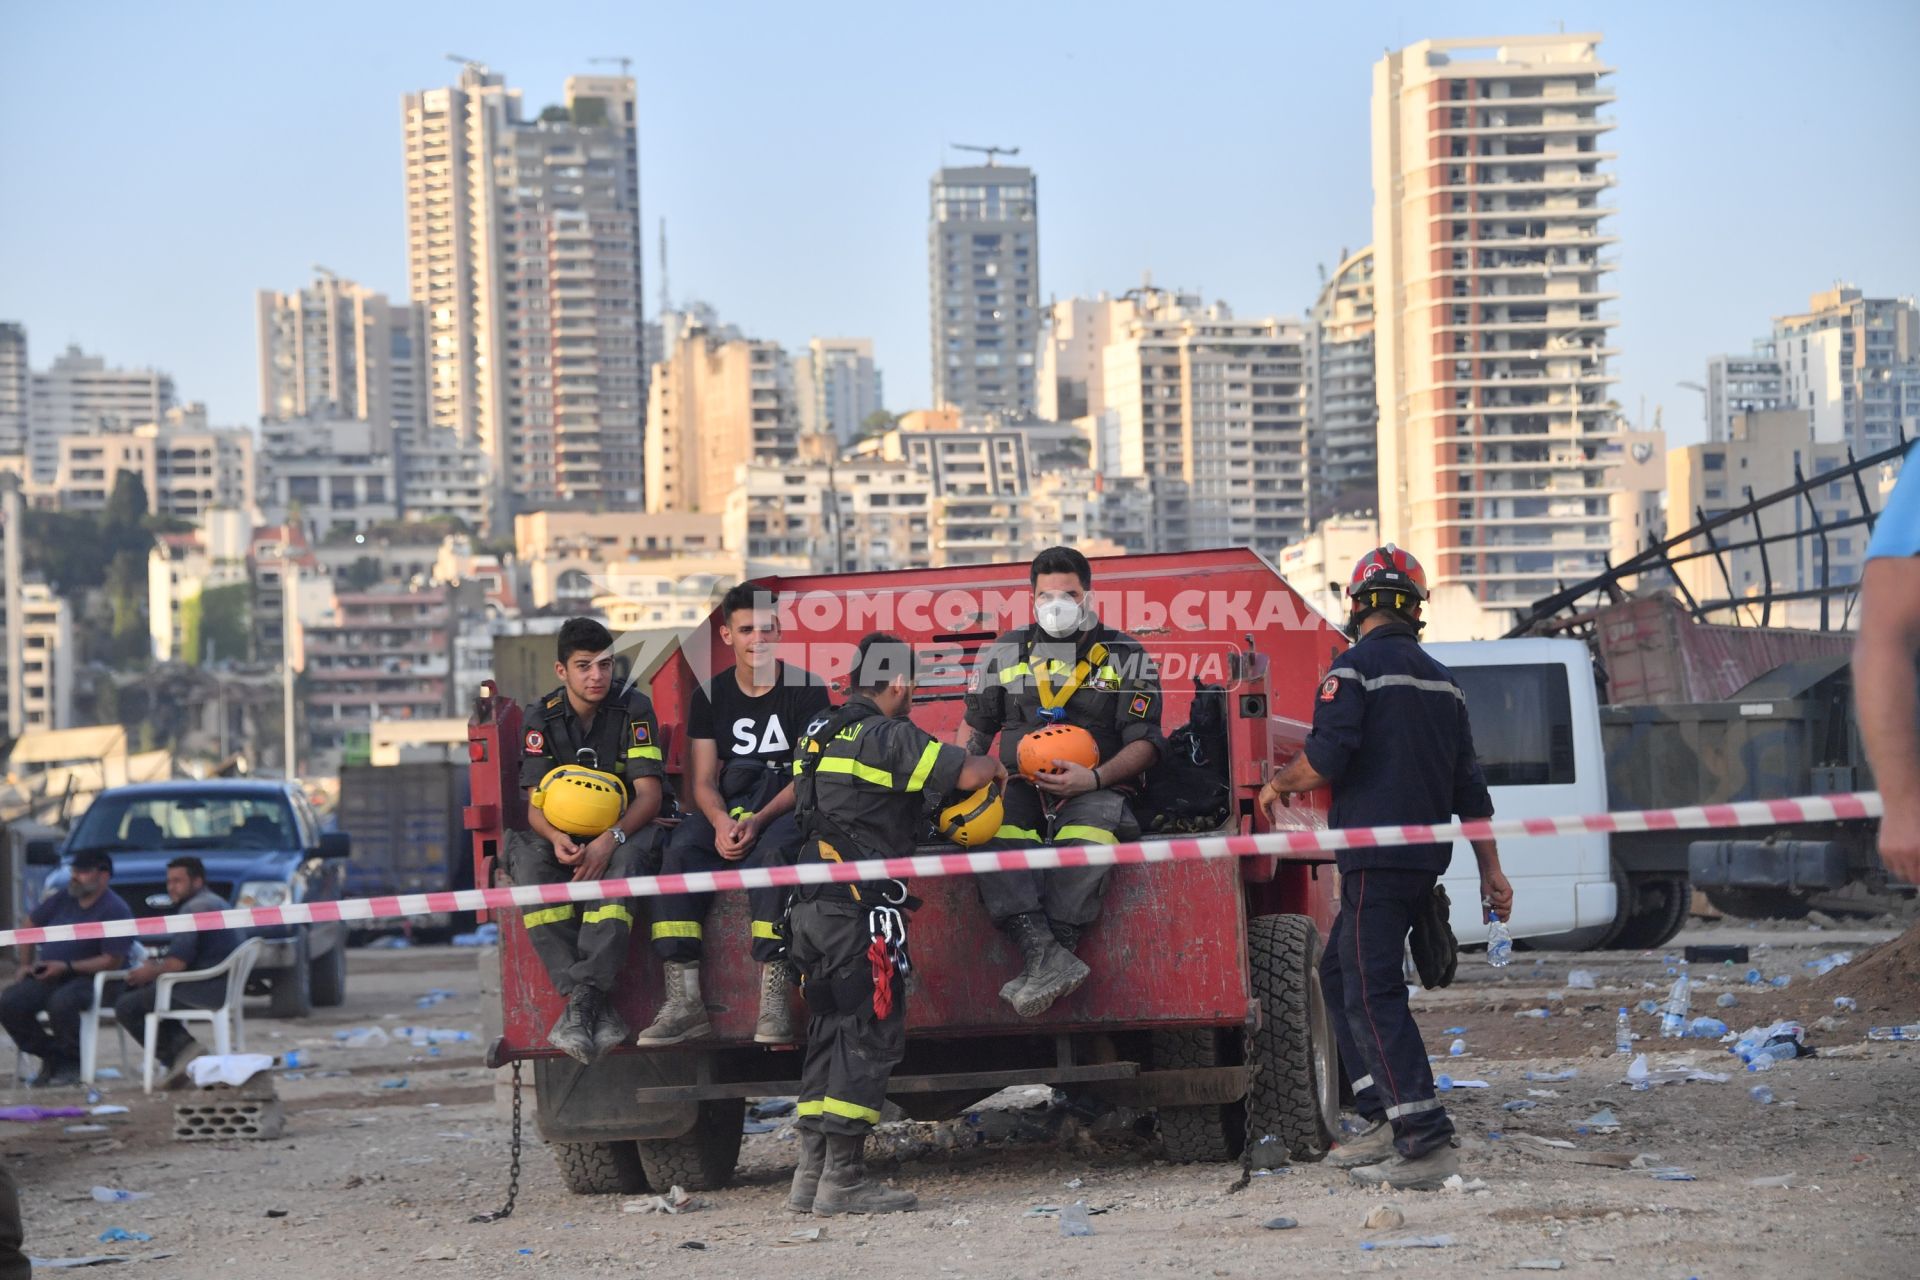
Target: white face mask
x,y
1058,617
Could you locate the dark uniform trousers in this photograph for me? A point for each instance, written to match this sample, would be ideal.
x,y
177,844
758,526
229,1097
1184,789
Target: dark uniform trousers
x,y
850,1053
580,943
135,1003
678,918
64,999
1363,973
1068,895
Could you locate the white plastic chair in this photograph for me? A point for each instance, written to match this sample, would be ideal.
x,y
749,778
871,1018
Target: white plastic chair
x,y
229,1030
98,1014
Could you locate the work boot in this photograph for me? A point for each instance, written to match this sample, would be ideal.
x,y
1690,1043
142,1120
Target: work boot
x,y
1422,1173
572,1031
1051,970
1370,1147
844,1186
776,1024
683,1014
178,1077
56,1073
610,1030
806,1178
1067,935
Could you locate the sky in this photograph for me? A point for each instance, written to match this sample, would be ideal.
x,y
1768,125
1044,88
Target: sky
x,y
161,162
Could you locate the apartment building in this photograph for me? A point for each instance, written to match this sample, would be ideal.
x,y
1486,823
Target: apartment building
x,y
1343,411
983,264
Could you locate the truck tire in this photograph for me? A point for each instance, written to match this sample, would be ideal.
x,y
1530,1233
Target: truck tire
x,y
1294,1095
1657,910
703,1158
327,977
292,994
1761,903
1210,1134
600,1168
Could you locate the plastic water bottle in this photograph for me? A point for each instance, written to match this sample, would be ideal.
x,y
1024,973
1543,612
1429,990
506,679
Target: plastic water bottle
x,y
1499,941
1761,1094
1457,1048
1909,1032
1765,1056
1753,978
1622,1033
1673,1022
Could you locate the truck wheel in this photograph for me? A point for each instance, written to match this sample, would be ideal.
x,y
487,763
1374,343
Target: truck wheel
x,y
600,1168
1657,911
293,986
1760,904
1209,1134
1294,1096
327,977
701,1159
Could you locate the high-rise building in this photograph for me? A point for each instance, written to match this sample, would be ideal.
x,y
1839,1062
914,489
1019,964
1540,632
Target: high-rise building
x,y
1070,384
524,257
14,381
1742,384
330,349
79,395
836,387
1491,345
1852,362
983,252
1214,408
1343,412
715,404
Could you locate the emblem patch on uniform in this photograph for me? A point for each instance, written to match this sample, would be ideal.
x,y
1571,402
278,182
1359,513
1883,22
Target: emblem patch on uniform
x,y
536,742
1141,704
1330,690
642,734
973,680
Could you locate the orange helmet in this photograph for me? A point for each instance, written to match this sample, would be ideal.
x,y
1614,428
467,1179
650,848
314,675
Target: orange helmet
x,y
1387,578
1040,748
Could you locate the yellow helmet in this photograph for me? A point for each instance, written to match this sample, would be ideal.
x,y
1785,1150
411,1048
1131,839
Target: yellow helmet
x,y
973,820
580,801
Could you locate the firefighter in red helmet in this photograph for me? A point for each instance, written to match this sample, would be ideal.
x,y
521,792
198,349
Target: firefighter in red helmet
x,y
1392,740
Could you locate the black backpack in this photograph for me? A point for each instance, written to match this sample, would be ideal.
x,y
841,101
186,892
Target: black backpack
x,y
1190,789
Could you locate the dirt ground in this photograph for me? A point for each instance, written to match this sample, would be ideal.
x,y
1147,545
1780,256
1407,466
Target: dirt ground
x,y
378,1177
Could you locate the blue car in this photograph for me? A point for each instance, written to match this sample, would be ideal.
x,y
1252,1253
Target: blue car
x,y
262,846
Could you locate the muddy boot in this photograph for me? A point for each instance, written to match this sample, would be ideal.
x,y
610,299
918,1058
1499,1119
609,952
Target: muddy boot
x,y
1051,970
1370,1147
1422,1173
610,1030
776,1024
845,1188
572,1032
683,1015
806,1178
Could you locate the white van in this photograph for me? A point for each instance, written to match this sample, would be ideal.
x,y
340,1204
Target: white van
x,y
1536,729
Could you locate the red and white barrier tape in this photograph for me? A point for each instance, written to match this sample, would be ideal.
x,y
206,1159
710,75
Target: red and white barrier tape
x,y
1752,813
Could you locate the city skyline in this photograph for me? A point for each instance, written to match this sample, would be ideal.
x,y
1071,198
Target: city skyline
x,y
1709,256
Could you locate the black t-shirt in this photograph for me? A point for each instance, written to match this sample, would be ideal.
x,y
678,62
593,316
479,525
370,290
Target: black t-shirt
x,y
763,728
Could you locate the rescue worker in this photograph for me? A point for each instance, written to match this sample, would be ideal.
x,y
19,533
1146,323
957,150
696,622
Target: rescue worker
x,y
741,727
862,774
586,722
1391,738
1067,668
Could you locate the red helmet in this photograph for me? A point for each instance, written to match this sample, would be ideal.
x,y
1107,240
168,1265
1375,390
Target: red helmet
x,y
1384,578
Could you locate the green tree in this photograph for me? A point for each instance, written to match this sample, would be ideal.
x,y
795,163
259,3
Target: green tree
x,y
361,574
225,632
126,587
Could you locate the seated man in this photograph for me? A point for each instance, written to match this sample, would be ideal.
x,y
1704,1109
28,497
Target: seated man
x,y
586,722
741,728
187,888
59,975
1067,668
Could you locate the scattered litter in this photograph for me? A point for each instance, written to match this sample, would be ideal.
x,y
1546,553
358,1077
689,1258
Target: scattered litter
x,y
363,1037
1754,978
31,1115
1384,1217
1543,1093
1074,1221
1534,1013
1544,1076
1779,1180
1704,1029
1280,1224
1546,1142
1909,1032
1448,1082
1582,980
1539,1264
1828,963
434,997
84,1128
1458,1183
810,1236
92,1260
1457,1048
1647,1006
107,1073
1409,1242
389,942
1455,1031
233,1069
1640,1076
1846,1004
1782,982
1601,1121
1519,1104
1671,1174
1761,1094
1761,1047
114,1235
113,1195
1076,1184
1727,1000
675,1201
398,1082
438,1253
693,1244
423,1037
486,935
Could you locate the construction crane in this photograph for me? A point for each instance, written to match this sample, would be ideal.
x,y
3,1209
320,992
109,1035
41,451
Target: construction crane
x,y
474,63
988,152
626,63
